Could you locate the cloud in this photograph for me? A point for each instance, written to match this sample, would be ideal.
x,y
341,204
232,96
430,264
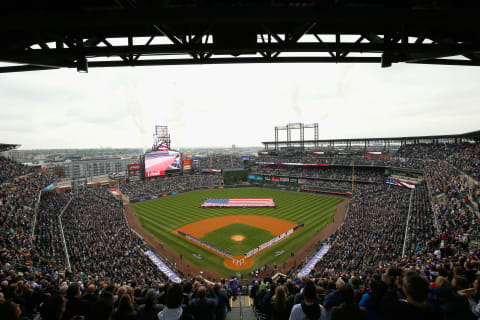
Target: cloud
x,y
221,105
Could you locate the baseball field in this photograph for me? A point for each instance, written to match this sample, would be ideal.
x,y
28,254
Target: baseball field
x,y
236,230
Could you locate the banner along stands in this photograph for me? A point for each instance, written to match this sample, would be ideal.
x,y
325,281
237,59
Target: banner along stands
x,y
311,264
163,267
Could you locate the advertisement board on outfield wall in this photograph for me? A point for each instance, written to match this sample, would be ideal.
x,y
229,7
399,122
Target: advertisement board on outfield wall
x,y
134,167
282,179
187,165
302,181
277,179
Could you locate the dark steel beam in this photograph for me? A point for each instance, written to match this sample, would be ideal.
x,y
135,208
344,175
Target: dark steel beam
x,y
95,64
110,50
387,17
166,62
11,69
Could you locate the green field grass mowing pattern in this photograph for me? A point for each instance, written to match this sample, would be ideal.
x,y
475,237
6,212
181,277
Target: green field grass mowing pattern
x,y
221,238
160,217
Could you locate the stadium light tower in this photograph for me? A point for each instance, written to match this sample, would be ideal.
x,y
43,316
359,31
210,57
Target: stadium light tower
x,y
161,136
296,126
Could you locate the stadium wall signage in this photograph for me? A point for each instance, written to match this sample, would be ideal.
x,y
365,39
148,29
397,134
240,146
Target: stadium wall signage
x,y
255,177
311,264
293,164
163,267
134,167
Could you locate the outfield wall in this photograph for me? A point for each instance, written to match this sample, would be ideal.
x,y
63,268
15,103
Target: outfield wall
x,y
295,188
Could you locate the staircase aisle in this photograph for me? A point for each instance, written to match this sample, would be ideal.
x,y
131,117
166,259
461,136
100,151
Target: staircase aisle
x,y
241,310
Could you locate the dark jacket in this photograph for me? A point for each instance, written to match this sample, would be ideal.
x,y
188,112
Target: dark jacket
x,y
75,307
89,300
149,314
203,309
333,299
453,305
347,312
222,303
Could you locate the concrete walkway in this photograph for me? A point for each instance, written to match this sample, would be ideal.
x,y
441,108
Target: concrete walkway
x,y
241,310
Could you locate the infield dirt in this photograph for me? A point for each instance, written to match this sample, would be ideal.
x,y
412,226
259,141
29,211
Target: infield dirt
x,y
192,270
199,228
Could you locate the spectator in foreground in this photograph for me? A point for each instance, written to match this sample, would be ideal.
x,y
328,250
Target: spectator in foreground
x,y
222,302
416,290
53,308
280,307
125,310
308,309
75,306
349,309
203,307
104,307
174,300
150,309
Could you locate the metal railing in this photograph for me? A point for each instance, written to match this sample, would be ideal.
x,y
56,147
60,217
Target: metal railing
x,y
408,220
35,212
63,236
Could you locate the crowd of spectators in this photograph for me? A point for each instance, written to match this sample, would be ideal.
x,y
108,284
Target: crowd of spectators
x,y
465,157
373,231
10,169
99,240
349,161
47,242
219,161
180,183
330,184
331,173
363,275
18,198
423,226
30,295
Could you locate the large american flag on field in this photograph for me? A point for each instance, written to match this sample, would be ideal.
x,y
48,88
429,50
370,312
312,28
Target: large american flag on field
x,y
239,202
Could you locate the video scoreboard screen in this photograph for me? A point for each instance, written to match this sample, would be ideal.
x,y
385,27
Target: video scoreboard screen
x,y
159,163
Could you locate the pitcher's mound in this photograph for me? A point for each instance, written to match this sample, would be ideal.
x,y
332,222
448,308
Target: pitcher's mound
x,y
237,237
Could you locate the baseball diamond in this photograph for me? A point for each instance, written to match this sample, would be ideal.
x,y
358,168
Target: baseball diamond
x,y
165,217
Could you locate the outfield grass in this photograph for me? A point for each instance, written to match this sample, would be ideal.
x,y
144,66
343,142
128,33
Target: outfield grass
x,y
254,237
160,217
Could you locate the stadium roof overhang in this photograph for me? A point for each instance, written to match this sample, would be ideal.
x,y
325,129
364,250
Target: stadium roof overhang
x,y
386,141
7,147
141,33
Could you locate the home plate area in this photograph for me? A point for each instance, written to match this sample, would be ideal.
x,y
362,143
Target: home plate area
x,y
238,239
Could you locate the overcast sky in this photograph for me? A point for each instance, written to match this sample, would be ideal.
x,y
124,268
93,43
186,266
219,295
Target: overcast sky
x,y
221,105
